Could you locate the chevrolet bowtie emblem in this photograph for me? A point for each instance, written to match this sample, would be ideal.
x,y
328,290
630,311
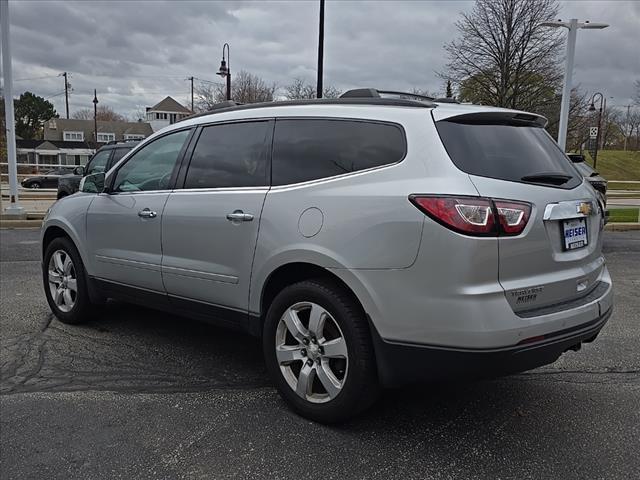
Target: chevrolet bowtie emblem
x,y
584,208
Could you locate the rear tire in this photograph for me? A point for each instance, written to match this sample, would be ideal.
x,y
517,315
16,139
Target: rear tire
x,y
62,272
318,351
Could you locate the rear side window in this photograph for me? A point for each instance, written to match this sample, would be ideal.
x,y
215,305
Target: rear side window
x,y
308,149
118,153
231,155
506,152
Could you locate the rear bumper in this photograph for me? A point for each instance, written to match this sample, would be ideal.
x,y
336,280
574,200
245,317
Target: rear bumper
x,y
402,363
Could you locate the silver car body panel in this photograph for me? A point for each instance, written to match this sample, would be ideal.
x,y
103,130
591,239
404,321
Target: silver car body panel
x,y
418,281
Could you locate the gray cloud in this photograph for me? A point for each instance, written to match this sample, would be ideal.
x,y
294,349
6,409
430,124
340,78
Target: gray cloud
x,y
136,52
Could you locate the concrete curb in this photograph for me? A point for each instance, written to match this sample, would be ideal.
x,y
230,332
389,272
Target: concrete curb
x,y
20,223
621,227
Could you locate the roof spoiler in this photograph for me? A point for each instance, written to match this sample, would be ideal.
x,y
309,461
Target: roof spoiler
x,y
499,118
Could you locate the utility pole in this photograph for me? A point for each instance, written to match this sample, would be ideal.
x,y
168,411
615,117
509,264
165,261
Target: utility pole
x,y
191,78
14,207
320,50
66,92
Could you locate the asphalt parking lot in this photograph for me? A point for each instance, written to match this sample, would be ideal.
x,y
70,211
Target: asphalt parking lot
x,y
141,394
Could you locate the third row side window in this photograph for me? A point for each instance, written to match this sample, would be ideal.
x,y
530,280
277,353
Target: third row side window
x,y
310,149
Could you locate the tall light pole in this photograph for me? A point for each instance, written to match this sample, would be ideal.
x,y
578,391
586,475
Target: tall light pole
x,y
14,207
95,116
225,69
320,51
572,25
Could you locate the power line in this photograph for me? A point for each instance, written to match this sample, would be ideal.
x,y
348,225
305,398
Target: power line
x,y
208,81
36,78
55,95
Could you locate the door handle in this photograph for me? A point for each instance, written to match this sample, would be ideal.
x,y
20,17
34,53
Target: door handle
x,y
146,213
239,216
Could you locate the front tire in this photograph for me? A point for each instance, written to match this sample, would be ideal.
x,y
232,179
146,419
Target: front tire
x,y
318,350
34,185
65,284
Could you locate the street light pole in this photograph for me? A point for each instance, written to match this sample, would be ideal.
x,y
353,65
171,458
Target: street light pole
x,y
592,108
225,69
572,26
95,116
320,51
14,207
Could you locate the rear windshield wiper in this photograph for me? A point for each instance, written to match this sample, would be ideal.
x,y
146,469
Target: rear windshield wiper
x,y
547,177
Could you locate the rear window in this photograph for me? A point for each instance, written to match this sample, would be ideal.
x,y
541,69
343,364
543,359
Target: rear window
x,y
310,149
506,152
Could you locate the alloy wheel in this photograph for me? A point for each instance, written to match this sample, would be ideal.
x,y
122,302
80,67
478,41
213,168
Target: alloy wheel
x,y
63,284
311,352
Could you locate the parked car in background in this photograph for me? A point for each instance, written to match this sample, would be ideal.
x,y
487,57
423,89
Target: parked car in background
x,y
101,161
598,182
48,179
368,241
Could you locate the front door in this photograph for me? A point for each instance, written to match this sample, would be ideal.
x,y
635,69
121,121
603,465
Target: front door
x,y
123,225
210,227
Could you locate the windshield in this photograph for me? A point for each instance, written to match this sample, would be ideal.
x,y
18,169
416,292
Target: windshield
x,y
517,153
584,169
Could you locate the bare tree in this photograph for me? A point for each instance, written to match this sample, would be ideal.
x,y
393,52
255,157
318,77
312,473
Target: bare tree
x,y
633,124
636,96
424,92
105,113
503,57
245,88
300,89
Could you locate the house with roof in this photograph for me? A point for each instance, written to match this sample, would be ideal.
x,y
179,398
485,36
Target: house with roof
x,y
166,112
70,141
74,130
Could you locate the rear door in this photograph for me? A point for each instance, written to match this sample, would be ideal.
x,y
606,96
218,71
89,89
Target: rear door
x,y
210,227
557,257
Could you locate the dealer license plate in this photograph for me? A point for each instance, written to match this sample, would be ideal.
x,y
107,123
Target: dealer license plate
x,y
575,233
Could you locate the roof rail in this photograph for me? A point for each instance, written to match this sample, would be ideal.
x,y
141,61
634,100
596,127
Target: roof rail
x,y
446,100
374,93
230,106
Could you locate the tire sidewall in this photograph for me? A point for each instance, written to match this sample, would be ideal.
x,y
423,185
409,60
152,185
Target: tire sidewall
x,y
359,367
82,304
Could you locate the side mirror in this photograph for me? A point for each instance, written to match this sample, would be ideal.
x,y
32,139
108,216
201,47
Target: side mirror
x,y
79,170
93,183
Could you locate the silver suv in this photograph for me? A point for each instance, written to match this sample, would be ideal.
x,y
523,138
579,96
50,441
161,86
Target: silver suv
x,y
368,241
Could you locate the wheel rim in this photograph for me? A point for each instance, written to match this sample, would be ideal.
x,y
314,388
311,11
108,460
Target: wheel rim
x,y
35,185
311,352
63,284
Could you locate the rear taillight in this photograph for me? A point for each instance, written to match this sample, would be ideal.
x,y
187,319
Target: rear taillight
x,y
476,216
512,216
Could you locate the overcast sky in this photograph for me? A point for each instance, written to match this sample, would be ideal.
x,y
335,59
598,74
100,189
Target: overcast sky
x,y
137,52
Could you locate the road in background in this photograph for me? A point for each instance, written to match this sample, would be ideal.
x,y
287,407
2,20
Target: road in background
x,y
141,394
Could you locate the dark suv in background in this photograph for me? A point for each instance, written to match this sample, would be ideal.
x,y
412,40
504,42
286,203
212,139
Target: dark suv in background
x,y
597,181
102,161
